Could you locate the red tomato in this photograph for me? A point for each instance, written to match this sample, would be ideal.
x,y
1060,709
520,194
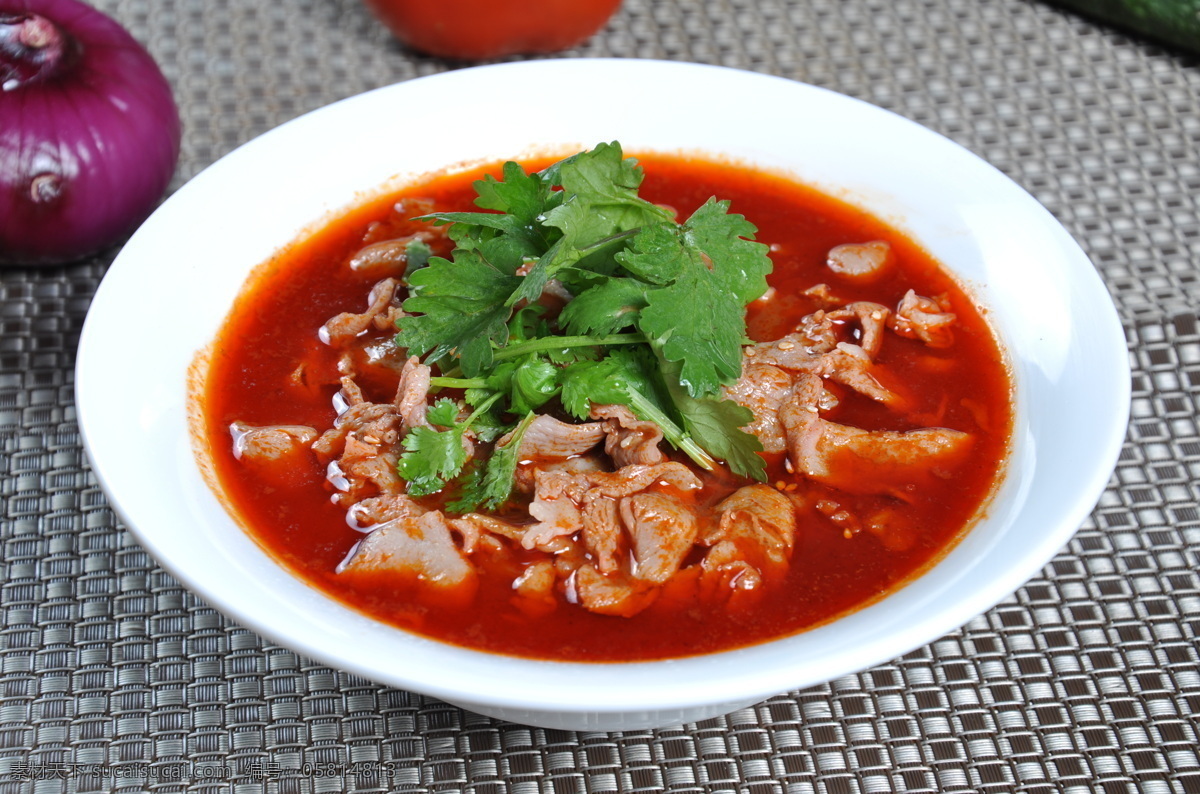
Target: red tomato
x,y
478,29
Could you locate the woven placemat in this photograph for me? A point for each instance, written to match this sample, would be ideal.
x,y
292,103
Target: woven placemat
x,y
114,678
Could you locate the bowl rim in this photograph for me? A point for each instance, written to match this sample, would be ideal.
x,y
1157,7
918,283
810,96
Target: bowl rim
x,y
739,674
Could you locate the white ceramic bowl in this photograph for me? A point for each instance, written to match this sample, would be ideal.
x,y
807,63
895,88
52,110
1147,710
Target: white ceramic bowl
x,y
172,285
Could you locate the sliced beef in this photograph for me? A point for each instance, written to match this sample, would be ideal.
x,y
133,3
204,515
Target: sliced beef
x,y
861,322
822,296
863,461
614,594
412,394
927,319
373,511
725,571
629,440
633,478
415,551
362,447
527,470
384,258
390,257
846,363
752,543
534,591
368,468
270,442
871,319
662,530
602,535
762,388
555,508
478,530
551,445
537,580
548,438
633,529
851,366
860,262
764,506
382,309
373,421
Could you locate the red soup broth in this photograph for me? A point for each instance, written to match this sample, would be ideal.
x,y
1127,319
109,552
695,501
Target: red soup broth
x,y
274,327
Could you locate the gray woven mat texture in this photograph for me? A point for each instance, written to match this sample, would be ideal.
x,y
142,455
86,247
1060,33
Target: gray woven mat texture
x,y
115,678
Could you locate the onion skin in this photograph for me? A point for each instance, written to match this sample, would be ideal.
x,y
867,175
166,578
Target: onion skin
x,y
91,132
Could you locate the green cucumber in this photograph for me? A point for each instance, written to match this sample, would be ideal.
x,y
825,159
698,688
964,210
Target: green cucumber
x,y
1175,22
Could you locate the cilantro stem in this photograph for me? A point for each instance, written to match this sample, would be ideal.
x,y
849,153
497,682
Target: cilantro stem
x,y
483,406
563,342
605,241
641,406
460,383
671,431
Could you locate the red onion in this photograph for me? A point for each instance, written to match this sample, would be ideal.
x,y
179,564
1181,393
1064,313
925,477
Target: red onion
x,y
89,132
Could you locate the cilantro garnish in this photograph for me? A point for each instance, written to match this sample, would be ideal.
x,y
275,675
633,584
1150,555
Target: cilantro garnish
x,y
434,457
656,318
490,485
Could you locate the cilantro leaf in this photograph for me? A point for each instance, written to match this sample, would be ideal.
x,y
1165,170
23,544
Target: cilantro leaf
x,y
717,427
587,382
512,234
695,322
499,239
716,424
443,413
492,485
615,379
658,254
529,383
727,240
520,195
600,190
640,369
527,323
622,379
488,427
563,356
457,308
604,158
433,459
416,255
532,285
470,488
571,250
608,183
710,272
606,308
